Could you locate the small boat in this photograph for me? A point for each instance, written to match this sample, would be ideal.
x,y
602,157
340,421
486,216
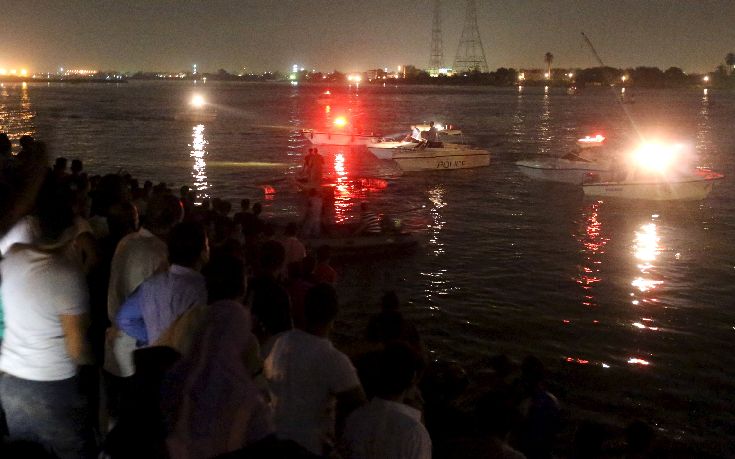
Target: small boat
x,y
381,244
571,168
339,138
447,156
655,171
693,185
591,141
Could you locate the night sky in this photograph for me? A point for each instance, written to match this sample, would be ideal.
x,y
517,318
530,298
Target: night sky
x,y
350,35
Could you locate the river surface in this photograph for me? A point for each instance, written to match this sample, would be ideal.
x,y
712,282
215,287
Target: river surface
x,y
630,304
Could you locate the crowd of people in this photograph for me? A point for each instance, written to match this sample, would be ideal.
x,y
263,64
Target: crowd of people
x,y
142,322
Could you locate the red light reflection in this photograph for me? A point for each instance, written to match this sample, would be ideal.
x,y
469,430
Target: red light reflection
x,y
593,241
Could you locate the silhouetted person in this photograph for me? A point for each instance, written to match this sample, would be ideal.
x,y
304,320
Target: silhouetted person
x,y
27,144
390,326
270,304
308,377
76,167
323,271
539,409
386,427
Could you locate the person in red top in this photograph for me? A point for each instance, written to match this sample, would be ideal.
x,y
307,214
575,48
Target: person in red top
x,y
323,272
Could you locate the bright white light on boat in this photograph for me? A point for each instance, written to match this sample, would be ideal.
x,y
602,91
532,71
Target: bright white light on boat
x,y
634,360
706,78
197,101
340,121
656,157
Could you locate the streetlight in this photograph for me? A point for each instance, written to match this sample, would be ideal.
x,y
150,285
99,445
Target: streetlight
x,y
623,78
706,79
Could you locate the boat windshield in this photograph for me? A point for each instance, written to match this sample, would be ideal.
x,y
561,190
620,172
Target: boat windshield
x,y
575,157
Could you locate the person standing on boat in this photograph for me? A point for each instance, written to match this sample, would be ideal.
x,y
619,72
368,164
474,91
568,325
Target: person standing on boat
x,y
316,168
416,134
432,136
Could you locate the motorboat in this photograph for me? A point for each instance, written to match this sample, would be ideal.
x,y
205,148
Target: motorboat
x,y
571,168
417,157
694,185
595,141
654,172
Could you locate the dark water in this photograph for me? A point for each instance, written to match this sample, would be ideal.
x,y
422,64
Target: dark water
x,y
628,303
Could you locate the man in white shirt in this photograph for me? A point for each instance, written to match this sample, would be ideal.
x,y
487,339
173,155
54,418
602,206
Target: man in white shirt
x,y
386,428
314,386
138,256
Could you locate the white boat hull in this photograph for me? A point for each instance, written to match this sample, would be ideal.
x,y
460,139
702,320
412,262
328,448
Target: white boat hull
x,y
560,170
336,138
431,159
386,149
691,188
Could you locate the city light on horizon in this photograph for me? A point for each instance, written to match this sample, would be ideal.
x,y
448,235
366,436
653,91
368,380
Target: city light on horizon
x,y
267,39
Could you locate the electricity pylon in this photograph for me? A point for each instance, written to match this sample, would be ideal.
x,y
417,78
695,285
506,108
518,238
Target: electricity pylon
x,y
470,54
437,49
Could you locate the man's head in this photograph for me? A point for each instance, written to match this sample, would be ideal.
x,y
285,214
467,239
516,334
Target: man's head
x,y
188,245
398,365
225,278
320,306
26,142
272,256
163,212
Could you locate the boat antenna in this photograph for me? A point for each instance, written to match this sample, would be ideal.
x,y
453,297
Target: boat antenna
x,y
620,101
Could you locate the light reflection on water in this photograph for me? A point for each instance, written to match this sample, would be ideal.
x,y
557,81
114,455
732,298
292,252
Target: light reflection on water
x,y
544,134
704,144
17,117
646,248
436,282
593,241
199,169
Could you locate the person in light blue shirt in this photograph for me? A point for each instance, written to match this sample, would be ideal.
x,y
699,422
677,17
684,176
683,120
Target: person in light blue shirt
x,y
160,300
